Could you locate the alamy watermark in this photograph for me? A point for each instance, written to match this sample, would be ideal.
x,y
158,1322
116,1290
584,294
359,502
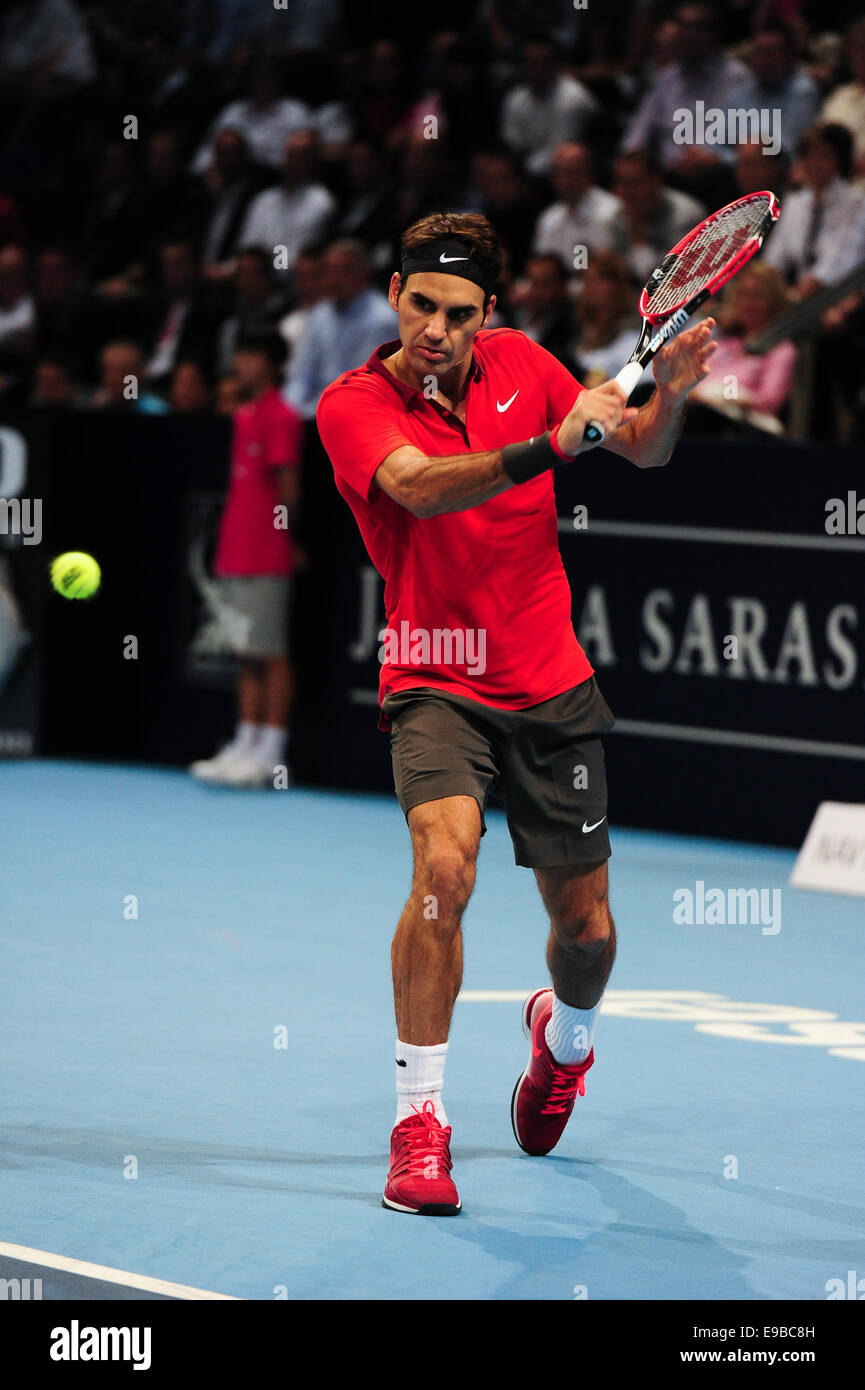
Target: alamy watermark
x,y
20,1290
742,907
737,125
22,516
437,646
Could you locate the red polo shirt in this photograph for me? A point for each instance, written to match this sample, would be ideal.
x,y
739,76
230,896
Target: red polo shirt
x,y
477,601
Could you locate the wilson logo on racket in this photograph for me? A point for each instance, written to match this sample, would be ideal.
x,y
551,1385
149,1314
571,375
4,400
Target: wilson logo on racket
x,y
669,329
691,272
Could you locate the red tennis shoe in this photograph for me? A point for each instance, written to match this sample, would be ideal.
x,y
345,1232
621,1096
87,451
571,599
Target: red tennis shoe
x,y
544,1095
419,1180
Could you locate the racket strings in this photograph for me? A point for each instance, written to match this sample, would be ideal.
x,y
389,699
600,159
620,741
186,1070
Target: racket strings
x,y
717,242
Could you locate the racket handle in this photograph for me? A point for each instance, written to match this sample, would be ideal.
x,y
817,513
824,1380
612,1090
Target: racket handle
x,y
627,378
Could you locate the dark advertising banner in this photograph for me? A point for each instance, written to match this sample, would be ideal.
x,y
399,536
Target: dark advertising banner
x,y
727,628
721,602
121,675
23,485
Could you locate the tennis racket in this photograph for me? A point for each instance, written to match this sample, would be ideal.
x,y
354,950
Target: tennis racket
x,y
696,268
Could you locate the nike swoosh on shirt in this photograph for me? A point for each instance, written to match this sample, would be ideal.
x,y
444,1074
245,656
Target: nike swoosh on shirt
x,y
444,259
502,408
587,827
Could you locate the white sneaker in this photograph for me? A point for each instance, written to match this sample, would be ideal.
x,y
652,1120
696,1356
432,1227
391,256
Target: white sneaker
x,y
215,769
245,771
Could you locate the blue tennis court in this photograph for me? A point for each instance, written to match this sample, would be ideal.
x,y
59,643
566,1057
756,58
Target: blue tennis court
x,y
197,1068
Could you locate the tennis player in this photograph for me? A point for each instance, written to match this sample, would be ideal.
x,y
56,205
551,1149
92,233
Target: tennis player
x,y
444,444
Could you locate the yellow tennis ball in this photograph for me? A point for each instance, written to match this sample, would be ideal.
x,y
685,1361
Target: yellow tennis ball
x,y
75,574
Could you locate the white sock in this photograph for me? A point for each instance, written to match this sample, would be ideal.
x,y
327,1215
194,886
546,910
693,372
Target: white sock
x,y
245,737
270,748
569,1032
420,1079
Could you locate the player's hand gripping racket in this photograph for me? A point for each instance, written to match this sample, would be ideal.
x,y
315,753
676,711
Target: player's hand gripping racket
x,y
696,268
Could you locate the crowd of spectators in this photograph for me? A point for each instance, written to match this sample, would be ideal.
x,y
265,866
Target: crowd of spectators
x,y
173,175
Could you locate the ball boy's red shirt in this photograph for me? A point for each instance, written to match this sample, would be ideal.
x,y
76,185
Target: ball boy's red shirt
x,y
267,436
477,602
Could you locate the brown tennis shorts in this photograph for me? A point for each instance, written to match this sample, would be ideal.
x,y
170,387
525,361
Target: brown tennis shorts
x,y
545,764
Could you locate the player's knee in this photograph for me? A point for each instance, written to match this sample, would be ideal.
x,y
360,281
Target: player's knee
x,y
588,929
446,876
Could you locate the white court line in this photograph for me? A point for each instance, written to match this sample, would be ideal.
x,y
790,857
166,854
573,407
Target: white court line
x,y
776,743
717,1016
106,1274
648,530
810,747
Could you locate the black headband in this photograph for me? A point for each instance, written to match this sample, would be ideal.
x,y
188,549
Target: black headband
x,y
448,256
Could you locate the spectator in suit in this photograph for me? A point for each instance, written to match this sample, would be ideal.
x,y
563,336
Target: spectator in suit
x,y
423,184
171,202
266,119
654,217
846,105
44,47
333,120
176,84
459,97
17,314
182,315
223,27
232,181
776,82
112,235
258,301
821,234
543,309
383,100
67,314
701,72
296,213
312,24
546,108
583,215
607,323
757,168
503,192
308,289
366,213
342,330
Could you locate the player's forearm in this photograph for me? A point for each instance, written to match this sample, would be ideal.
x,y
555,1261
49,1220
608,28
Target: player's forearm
x,y
456,483
650,438
431,486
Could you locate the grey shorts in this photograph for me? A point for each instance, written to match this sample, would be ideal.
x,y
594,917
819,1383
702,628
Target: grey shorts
x,y
545,763
255,613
